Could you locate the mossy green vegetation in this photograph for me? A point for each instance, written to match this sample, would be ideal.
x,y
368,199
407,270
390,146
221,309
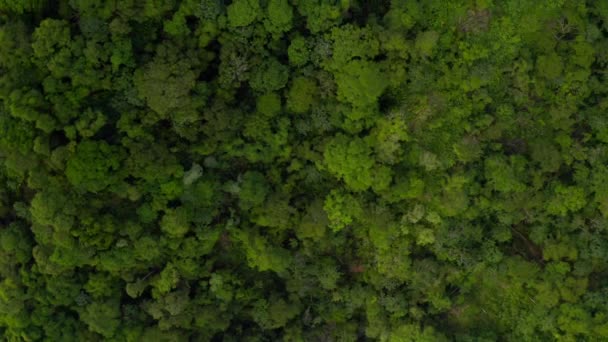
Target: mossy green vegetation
x,y
304,170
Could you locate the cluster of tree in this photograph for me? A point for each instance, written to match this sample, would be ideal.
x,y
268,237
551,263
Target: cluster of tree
x,y
303,170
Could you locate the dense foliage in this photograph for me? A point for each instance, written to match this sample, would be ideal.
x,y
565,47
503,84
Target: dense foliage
x,y
304,170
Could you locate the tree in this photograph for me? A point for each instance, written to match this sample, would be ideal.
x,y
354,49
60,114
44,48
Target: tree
x,y
566,199
166,88
279,18
321,16
243,12
102,317
253,190
426,42
94,166
505,177
269,104
301,95
351,43
350,159
270,76
299,51
342,209
360,83
31,6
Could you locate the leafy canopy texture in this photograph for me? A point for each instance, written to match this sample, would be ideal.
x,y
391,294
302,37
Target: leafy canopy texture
x,y
303,170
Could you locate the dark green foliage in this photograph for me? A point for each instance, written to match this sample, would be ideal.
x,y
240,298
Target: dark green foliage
x,y
303,170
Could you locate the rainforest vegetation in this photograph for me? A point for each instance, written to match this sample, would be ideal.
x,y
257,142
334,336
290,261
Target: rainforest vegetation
x,y
304,170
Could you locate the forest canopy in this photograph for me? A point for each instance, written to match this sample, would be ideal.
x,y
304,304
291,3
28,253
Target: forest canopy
x,y
304,170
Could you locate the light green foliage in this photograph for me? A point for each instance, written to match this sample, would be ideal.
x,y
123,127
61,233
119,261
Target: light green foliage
x,y
298,51
389,134
360,83
280,16
87,125
454,200
261,255
243,12
559,251
566,198
100,285
175,222
147,248
351,42
426,42
165,281
321,15
350,159
269,104
55,52
413,333
50,38
342,210
157,8
222,285
29,105
18,138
